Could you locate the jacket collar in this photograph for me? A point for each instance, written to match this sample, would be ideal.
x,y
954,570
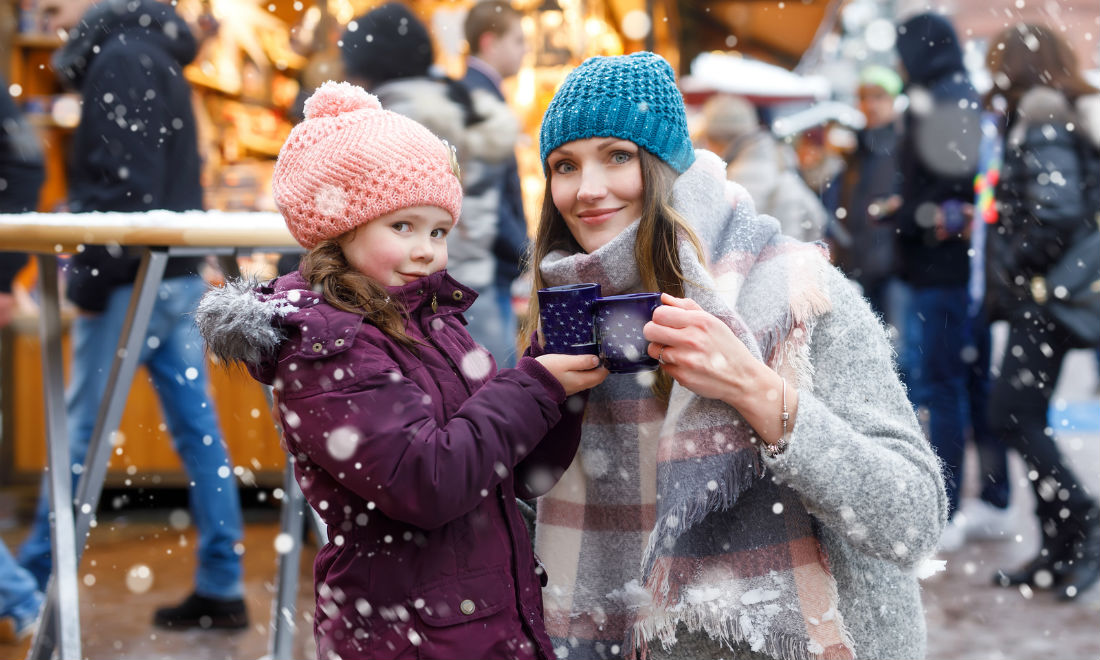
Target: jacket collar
x,y
447,294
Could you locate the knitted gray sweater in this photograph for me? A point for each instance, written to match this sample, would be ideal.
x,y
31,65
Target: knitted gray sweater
x,y
867,474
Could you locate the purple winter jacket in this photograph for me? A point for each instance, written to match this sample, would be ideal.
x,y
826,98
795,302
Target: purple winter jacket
x,y
414,462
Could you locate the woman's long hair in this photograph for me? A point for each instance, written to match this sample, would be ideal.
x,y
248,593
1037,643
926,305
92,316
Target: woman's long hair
x,y
345,288
1028,55
655,248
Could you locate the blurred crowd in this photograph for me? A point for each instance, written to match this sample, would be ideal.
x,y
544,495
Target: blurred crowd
x,y
949,209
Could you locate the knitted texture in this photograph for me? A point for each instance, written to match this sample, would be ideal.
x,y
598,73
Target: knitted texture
x,y
350,162
631,97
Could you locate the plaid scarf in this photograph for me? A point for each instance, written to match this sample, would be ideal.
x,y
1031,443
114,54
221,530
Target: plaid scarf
x,y
668,516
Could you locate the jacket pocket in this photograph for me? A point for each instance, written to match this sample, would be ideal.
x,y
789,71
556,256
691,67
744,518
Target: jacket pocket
x,y
467,598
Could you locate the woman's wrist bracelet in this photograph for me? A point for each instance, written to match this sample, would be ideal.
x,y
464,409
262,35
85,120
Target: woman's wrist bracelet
x,y
780,446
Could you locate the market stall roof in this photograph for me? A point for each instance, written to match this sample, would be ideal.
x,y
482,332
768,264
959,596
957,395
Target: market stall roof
x,y
760,82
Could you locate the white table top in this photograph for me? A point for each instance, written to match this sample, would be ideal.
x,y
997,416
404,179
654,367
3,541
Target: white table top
x,y
66,232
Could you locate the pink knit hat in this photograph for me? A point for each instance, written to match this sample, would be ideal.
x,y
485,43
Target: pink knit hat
x,y
349,162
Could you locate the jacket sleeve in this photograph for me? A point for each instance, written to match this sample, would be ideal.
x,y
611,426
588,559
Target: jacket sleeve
x,y
542,468
857,455
380,438
10,265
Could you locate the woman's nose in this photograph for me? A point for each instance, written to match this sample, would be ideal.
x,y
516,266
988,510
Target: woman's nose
x,y
593,185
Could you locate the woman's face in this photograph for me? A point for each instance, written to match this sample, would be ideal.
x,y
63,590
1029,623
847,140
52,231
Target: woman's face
x,y
596,185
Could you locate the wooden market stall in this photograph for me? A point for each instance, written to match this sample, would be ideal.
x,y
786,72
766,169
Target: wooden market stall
x,y
249,80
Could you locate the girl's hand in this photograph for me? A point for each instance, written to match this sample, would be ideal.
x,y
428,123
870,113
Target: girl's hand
x,y
697,349
574,372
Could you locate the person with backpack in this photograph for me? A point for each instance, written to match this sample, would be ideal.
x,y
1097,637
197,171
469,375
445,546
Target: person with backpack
x,y
1048,203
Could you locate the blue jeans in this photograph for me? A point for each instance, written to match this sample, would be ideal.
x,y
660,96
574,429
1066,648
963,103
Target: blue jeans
x,y
951,377
173,356
19,595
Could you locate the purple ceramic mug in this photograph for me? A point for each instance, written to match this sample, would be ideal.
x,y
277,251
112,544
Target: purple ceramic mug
x,y
565,313
619,323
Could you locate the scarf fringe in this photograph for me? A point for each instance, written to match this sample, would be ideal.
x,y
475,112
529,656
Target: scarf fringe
x,y
739,477
726,630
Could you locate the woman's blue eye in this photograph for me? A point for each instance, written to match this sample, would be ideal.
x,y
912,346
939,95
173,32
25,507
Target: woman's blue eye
x,y
621,157
564,167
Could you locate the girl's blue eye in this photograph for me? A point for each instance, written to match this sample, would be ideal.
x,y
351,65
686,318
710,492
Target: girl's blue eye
x,y
621,157
563,167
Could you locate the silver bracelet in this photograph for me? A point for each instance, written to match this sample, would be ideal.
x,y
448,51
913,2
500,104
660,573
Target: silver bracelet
x,y
774,450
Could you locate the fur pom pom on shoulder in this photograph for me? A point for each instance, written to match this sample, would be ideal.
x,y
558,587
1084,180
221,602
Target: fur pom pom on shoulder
x,y
238,322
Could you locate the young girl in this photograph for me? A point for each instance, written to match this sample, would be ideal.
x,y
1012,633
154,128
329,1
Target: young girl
x,y
407,440
769,492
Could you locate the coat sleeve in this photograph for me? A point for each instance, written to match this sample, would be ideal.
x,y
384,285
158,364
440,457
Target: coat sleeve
x,y
380,437
857,455
543,467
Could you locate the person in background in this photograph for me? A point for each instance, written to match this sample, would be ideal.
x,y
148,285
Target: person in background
x,y
767,492
408,441
1048,198
939,158
136,150
764,166
389,52
22,173
863,236
497,47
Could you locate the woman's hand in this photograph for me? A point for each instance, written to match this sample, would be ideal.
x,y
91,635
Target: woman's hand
x,y
697,349
703,354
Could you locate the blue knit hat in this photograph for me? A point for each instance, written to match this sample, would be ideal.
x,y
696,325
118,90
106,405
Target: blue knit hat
x,y
631,97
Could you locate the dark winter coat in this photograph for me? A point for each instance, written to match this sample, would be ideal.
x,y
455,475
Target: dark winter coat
x,y
865,247
22,171
136,147
1047,194
939,150
414,459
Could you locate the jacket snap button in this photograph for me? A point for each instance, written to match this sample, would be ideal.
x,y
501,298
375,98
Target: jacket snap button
x,y
339,342
467,606
317,348
457,295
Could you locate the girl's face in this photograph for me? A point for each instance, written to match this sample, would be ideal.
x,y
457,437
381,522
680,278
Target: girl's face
x,y
596,185
401,246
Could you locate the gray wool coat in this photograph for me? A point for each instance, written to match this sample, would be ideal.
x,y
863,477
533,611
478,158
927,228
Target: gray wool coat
x,y
865,471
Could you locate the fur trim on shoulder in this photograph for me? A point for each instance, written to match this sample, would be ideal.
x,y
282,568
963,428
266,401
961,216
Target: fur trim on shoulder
x,y
1040,105
238,324
1088,116
494,137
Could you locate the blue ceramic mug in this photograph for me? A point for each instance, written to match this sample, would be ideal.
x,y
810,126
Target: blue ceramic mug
x,y
619,323
566,314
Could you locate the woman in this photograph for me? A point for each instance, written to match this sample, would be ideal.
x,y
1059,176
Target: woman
x,y
1045,201
768,488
